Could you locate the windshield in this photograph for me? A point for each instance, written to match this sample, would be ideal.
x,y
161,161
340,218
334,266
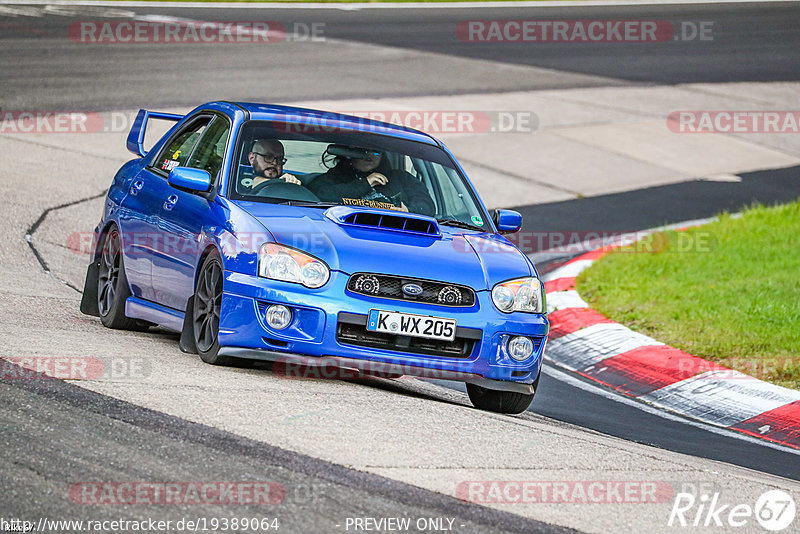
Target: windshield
x,y
277,164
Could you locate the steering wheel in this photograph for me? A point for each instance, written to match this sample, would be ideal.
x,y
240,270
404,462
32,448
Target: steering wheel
x,y
280,189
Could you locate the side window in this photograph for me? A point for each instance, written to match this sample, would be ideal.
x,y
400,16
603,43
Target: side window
x,y
210,149
177,152
456,197
422,171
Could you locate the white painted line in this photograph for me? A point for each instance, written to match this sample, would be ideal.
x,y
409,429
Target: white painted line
x,y
15,11
570,270
594,344
387,5
732,178
63,10
240,29
568,378
722,398
560,300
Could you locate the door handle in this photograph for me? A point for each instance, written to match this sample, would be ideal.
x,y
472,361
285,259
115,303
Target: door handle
x,y
170,202
136,187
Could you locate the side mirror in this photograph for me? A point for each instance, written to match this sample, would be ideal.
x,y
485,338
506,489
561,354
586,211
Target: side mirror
x,y
188,179
507,221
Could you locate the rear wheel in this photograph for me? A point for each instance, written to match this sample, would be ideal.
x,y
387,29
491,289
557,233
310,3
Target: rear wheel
x,y
112,285
510,402
206,311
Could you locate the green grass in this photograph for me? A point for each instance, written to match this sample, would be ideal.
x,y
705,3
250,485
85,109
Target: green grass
x,y
728,291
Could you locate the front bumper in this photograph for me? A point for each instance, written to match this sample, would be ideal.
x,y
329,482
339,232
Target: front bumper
x,y
336,367
325,323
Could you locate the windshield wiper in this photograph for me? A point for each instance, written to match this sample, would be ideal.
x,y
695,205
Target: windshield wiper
x,y
308,204
460,224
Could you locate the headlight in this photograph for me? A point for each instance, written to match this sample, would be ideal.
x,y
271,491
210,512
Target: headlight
x,y
522,294
290,265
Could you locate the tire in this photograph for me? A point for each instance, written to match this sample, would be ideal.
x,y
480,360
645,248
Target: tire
x,y
206,307
491,400
112,285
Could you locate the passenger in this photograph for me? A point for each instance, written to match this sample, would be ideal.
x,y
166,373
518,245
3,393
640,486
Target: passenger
x,y
371,178
267,159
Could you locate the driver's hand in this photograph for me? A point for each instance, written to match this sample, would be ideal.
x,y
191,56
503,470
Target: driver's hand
x,y
377,178
402,207
290,178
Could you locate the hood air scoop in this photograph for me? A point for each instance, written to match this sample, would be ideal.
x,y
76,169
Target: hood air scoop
x,y
388,220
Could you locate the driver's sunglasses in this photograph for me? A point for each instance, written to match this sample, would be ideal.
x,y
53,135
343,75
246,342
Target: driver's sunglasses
x,y
269,158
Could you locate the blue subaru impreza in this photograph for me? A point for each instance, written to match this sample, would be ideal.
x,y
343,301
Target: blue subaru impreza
x,y
273,233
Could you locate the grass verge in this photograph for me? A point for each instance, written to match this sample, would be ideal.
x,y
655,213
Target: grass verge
x,y
728,291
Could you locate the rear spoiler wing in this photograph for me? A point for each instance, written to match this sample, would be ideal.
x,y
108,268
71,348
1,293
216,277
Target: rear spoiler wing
x,y
136,136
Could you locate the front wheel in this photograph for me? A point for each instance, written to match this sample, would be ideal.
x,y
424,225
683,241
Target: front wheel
x,y
510,402
206,311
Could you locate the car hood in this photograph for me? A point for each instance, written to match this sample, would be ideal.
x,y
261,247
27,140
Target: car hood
x,y
478,260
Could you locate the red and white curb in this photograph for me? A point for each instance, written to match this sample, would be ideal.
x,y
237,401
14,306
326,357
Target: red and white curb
x,y
585,342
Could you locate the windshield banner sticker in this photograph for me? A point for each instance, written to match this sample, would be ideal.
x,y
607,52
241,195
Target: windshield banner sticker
x,y
368,203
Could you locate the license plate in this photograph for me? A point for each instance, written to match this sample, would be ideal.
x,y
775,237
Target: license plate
x,y
408,324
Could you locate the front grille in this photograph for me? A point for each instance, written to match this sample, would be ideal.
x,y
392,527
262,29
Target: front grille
x,y
391,287
352,330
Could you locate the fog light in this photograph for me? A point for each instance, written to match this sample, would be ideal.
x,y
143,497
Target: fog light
x,y
520,348
278,317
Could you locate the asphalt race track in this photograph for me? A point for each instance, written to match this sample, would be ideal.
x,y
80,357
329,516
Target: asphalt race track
x,y
372,448
752,43
317,491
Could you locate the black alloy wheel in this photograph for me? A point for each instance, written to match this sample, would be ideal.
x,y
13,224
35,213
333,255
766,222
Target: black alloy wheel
x,y
112,285
206,307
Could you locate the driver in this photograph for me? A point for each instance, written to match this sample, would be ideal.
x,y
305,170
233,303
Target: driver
x,y
372,178
266,157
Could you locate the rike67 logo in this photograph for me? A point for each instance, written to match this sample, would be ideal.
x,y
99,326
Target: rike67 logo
x,y
774,511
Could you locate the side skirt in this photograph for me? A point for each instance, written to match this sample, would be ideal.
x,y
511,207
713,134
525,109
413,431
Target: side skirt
x,y
154,313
